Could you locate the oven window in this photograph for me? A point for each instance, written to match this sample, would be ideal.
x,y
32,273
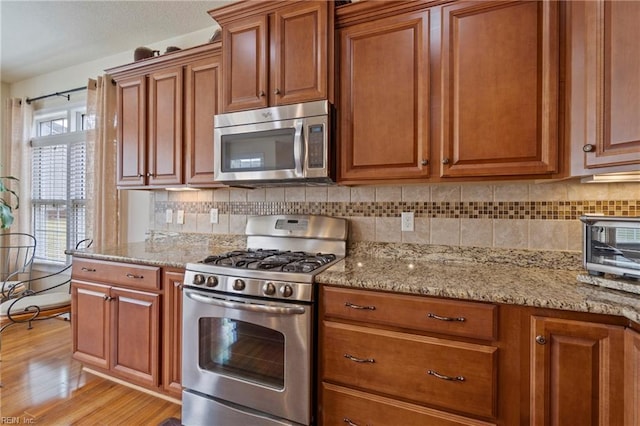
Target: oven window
x,y
242,350
258,151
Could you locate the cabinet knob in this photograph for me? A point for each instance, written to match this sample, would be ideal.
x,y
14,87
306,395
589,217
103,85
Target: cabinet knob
x,y
445,161
277,91
424,162
588,147
149,174
140,175
262,94
541,340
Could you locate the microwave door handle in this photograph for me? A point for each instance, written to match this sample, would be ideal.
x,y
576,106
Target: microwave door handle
x,y
298,147
281,310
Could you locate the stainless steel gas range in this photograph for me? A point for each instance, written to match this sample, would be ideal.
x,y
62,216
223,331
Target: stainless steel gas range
x,y
249,324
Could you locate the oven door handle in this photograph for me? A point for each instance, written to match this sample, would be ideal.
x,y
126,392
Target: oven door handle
x,y
281,310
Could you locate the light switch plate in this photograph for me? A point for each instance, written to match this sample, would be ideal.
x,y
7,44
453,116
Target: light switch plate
x,y
180,217
407,221
213,216
168,216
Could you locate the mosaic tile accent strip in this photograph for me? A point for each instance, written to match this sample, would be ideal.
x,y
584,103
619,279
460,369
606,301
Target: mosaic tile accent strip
x,y
525,210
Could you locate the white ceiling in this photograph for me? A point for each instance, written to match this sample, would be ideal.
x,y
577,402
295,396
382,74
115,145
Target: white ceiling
x,y
39,37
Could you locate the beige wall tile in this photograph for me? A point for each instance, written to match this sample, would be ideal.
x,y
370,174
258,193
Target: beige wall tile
x,y
575,235
190,224
577,191
476,232
202,223
510,233
416,193
237,224
624,191
274,194
222,227
256,194
548,235
476,192
363,194
160,196
388,193
316,194
222,195
388,230
159,223
339,194
511,192
238,194
205,195
294,194
362,229
445,231
449,193
421,232
548,192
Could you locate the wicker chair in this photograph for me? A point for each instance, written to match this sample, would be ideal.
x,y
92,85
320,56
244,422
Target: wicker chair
x,y
39,305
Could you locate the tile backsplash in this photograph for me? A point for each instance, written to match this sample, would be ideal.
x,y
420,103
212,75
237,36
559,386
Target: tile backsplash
x,y
538,216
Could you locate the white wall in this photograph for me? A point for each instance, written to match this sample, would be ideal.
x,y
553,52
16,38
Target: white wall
x,y
135,212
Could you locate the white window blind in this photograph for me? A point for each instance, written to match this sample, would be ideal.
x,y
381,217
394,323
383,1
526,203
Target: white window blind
x,y
58,191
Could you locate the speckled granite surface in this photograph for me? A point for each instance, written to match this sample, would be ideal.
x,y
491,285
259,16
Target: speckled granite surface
x,y
614,283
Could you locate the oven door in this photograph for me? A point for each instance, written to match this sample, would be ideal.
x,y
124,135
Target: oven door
x,y
250,353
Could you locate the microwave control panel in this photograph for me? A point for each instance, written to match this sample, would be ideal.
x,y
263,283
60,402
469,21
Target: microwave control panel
x,y
316,146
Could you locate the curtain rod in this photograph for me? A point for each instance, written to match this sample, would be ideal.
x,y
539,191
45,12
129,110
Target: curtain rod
x,y
64,94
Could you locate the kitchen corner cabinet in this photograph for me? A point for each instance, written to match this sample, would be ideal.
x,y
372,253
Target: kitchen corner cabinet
x,y
632,377
379,366
165,108
172,332
605,85
276,53
384,79
577,372
500,85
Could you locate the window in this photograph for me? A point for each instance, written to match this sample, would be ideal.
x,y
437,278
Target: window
x,y
59,182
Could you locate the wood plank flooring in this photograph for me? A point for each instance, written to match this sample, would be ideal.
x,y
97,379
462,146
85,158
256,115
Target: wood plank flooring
x,y
42,385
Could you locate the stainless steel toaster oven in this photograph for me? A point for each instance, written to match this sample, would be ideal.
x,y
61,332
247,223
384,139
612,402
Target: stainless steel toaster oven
x,y
611,245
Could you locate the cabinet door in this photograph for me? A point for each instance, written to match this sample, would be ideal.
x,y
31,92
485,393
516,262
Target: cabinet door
x,y
172,332
499,88
135,349
90,323
165,127
384,99
245,63
203,98
632,378
300,50
576,373
132,135
612,71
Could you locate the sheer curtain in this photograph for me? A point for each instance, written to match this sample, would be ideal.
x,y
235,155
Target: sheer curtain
x,y
103,199
17,159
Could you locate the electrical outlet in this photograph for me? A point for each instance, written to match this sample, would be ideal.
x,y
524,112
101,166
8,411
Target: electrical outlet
x,y
180,217
407,221
168,216
213,216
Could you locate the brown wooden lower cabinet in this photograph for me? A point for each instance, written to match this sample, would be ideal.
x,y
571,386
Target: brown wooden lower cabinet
x,y
172,332
632,377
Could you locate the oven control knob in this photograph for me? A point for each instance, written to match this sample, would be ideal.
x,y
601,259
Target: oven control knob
x,y
269,289
212,281
286,290
198,279
238,285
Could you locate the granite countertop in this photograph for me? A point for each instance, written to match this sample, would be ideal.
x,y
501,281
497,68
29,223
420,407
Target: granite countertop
x,y
540,279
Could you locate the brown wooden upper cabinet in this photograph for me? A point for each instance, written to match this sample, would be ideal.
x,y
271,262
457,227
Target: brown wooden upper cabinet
x,y
611,103
384,94
165,108
500,83
274,53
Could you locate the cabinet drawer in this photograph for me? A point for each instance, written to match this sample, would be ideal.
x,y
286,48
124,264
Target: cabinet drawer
x,y
125,274
454,375
362,408
457,318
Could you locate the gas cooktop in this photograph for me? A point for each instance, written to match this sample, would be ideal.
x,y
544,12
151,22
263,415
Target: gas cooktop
x,y
272,260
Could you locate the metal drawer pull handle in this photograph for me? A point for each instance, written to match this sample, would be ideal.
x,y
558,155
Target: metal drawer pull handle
x,y
354,359
443,377
349,422
352,306
438,317
138,277
88,269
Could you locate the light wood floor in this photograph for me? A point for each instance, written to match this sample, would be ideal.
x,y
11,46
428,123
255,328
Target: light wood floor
x,y
42,385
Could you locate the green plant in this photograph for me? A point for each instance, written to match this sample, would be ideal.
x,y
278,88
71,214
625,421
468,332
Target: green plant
x,y
6,206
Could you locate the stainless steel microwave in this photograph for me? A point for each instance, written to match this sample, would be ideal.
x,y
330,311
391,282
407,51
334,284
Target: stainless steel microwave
x,y
611,245
281,145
